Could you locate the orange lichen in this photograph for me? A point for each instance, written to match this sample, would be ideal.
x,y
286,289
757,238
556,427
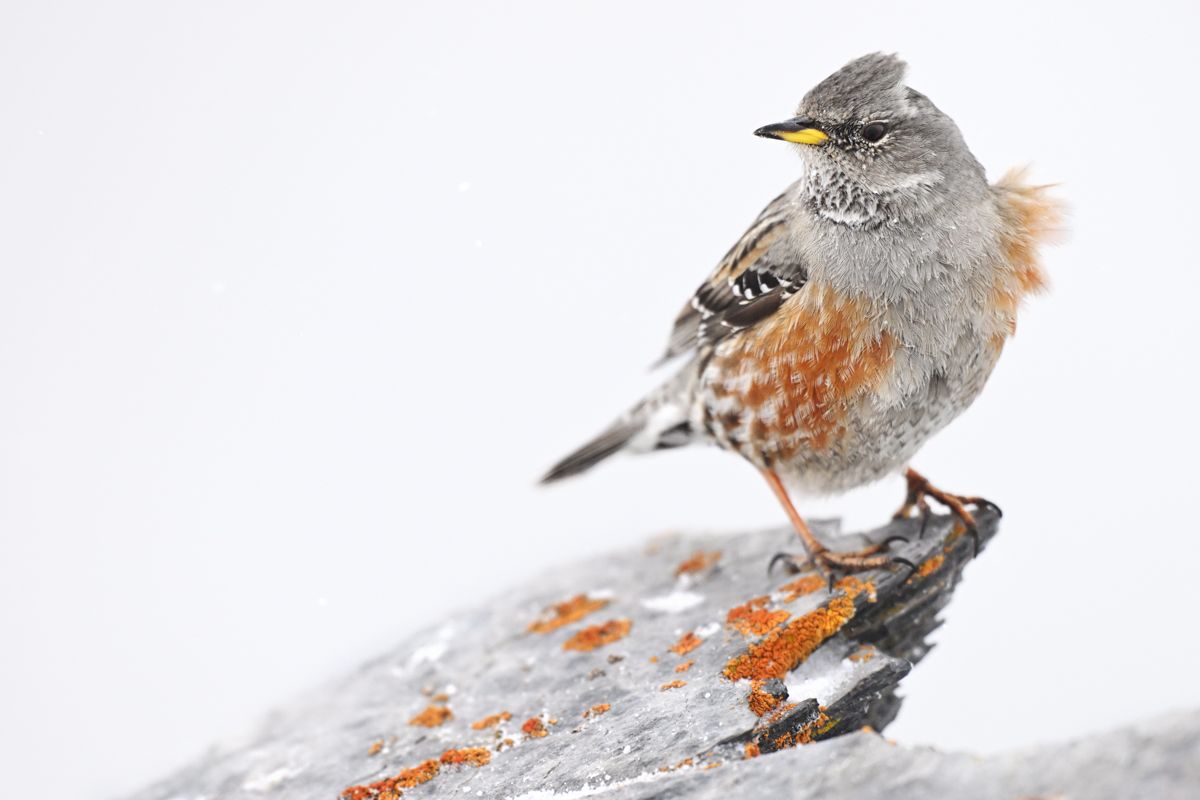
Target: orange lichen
x,y
475,756
780,712
653,659
853,587
785,648
596,636
389,788
955,533
379,790
672,685
422,773
376,748
441,697
930,565
752,750
686,644
534,728
566,612
761,702
801,587
806,734
864,653
698,562
491,721
752,619
597,710
818,727
684,667
432,717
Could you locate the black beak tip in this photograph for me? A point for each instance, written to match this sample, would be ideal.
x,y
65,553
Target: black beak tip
x,y
766,132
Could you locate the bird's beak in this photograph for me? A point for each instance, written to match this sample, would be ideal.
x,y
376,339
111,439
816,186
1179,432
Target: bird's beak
x,y
800,130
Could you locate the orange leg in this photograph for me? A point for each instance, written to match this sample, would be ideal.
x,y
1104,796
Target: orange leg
x,y
826,561
919,489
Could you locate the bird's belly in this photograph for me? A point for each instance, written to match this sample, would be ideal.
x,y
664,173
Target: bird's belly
x,y
875,441
833,407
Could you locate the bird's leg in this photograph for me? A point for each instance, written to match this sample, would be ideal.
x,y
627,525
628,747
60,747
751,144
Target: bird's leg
x,y
826,561
919,490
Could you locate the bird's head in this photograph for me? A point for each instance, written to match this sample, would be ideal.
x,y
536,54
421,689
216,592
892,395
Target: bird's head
x,y
865,123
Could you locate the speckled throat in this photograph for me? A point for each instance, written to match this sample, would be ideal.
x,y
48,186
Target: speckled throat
x,y
835,196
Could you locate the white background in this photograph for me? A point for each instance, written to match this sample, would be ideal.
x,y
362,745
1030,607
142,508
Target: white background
x,y
297,301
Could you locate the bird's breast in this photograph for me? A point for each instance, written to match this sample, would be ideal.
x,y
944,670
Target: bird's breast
x,y
793,383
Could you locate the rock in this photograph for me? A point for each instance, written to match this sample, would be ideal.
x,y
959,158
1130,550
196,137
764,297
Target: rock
x,y
678,670
1158,759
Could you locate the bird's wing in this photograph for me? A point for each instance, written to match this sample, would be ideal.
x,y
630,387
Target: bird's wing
x,y
749,285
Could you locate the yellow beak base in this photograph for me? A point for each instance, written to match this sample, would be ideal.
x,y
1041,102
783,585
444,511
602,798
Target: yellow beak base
x,y
805,136
799,130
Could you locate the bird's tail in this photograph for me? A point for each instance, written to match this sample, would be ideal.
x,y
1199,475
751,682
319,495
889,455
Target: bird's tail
x,y
660,421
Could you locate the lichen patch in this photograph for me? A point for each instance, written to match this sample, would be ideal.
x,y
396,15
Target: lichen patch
x,y
753,619
761,702
534,728
566,612
491,721
686,644
853,587
474,756
785,648
597,710
863,654
930,565
389,788
700,561
432,717
596,636
807,734
800,587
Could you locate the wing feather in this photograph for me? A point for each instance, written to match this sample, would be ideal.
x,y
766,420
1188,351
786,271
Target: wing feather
x,y
748,285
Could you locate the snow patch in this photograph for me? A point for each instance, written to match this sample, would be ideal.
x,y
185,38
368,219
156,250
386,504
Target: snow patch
x,y
673,603
265,782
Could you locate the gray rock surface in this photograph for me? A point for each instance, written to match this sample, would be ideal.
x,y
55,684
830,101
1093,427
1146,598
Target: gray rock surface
x,y
1155,760
677,670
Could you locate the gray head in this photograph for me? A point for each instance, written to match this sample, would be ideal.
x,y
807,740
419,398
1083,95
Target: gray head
x,y
865,125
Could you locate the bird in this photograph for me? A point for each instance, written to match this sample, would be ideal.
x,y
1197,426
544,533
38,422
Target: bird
x,y
860,313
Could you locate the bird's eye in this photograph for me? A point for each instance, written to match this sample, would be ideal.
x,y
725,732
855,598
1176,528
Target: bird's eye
x,y
874,131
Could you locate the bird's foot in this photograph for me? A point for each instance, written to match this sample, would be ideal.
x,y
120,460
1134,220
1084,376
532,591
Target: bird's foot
x,y
831,564
916,503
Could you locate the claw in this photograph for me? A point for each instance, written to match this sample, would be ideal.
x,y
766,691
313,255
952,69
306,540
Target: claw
x,y
988,505
912,568
974,531
919,489
784,557
926,514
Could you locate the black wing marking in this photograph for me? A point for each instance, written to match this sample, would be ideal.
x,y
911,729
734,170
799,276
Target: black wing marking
x,y
746,287
749,299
